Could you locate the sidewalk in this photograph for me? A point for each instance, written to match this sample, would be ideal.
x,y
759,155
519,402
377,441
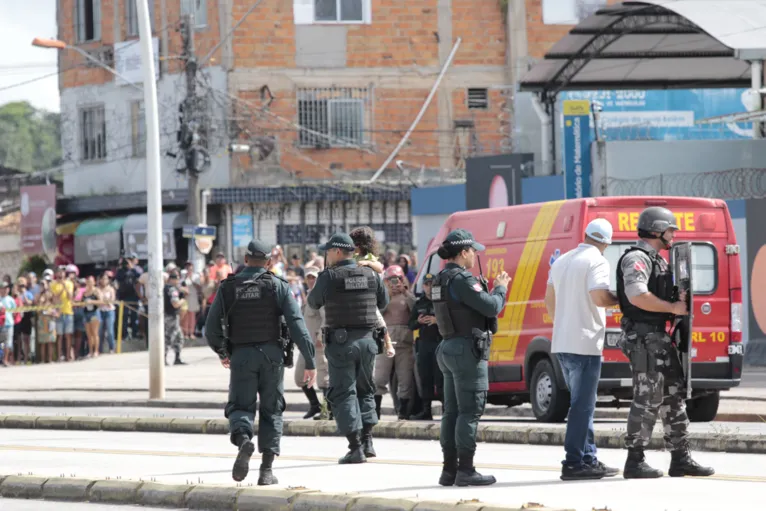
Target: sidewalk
x,y
122,380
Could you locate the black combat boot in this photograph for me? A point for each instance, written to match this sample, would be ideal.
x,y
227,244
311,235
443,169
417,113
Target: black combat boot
x,y
404,409
355,453
467,474
449,469
682,464
378,404
315,407
242,463
636,466
367,448
425,414
178,361
266,476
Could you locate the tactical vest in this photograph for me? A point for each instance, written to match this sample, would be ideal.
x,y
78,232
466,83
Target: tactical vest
x,y
660,285
454,318
352,297
252,309
425,307
166,293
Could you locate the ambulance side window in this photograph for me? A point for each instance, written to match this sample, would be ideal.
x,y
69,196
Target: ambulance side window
x,y
613,253
433,265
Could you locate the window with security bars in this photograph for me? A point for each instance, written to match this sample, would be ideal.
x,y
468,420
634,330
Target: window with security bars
x,y
338,10
138,129
87,20
93,133
334,117
478,99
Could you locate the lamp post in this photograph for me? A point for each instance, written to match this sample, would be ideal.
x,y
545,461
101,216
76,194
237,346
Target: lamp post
x,y
153,193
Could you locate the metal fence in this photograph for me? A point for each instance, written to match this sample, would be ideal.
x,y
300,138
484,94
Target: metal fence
x,y
744,183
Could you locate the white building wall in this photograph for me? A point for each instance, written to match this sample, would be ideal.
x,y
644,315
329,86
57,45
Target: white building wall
x,y
121,172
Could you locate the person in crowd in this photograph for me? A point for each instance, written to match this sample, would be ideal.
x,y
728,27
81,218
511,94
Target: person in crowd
x,y
296,286
46,324
295,265
462,308
278,264
107,313
423,320
577,292
409,273
7,304
173,300
314,320
397,317
191,282
25,298
80,338
92,297
351,294
315,261
221,267
63,294
390,258
127,279
251,305
33,285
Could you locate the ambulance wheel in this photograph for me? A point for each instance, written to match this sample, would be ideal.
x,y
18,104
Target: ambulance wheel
x,y
703,408
549,402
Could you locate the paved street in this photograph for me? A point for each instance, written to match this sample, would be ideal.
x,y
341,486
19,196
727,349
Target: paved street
x,y
404,469
43,505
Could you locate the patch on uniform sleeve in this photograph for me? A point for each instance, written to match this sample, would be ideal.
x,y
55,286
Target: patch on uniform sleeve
x,y
436,294
355,283
477,287
639,266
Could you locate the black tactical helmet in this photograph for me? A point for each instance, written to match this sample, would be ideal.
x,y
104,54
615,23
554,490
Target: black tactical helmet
x,y
656,219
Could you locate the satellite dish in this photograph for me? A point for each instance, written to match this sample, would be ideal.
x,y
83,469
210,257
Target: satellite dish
x,y
751,99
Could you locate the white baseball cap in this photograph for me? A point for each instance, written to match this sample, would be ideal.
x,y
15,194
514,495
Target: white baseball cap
x,y
600,230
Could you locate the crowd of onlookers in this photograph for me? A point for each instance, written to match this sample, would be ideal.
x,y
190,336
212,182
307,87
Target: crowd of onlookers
x,y
67,316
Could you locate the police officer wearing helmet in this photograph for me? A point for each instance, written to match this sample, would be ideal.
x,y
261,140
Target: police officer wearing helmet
x,y
243,327
645,294
351,295
466,316
423,321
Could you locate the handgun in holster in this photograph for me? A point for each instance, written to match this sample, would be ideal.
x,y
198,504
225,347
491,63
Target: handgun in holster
x,y
379,336
482,342
286,340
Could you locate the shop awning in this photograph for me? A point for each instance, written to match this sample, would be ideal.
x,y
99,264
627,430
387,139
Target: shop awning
x,y
98,240
134,234
67,229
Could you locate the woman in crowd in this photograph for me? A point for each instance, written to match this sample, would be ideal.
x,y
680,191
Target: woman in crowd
x,y
25,298
92,297
107,313
191,283
296,286
80,339
46,324
404,263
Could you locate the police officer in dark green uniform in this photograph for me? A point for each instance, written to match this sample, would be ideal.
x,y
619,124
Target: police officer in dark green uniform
x,y
351,295
423,321
243,327
464,314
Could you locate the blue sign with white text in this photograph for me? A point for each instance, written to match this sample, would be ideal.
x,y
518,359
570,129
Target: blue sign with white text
x,y
242,227
577,139
665,114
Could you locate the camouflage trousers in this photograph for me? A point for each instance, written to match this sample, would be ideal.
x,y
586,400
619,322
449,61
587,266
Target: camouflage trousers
x,y
658,388
174,336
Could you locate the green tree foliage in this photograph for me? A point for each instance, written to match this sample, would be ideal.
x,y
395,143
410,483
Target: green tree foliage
x,y
30,139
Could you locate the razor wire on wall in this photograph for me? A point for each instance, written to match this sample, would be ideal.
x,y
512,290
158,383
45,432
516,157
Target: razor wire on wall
x,y
743,183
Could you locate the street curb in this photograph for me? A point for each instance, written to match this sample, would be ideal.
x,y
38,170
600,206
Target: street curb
x,y
490,433
222,498
522,413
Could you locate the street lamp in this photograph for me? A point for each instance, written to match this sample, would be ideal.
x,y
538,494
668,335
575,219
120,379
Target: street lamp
x,y
153,192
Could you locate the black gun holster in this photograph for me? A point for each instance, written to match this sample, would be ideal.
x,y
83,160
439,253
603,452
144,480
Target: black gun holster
x,y
379,336
482,342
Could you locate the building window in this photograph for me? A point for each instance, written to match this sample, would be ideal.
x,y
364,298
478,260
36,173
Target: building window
x,y
138,129
131,17
478,99
93,133
339,10
334,117
87,20
198,9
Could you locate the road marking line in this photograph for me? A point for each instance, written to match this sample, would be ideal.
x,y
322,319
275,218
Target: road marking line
x,y
176,454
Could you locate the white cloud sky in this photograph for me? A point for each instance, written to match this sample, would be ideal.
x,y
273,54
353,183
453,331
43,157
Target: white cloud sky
x,y
20,22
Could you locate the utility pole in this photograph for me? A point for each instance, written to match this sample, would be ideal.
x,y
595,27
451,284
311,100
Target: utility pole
x,y
188,135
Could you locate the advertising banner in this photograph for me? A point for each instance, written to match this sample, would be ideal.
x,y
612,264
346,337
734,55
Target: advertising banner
x,y
577,139
242,225
38,220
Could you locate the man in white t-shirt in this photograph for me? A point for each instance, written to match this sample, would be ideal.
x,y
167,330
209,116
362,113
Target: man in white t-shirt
x,y
578,291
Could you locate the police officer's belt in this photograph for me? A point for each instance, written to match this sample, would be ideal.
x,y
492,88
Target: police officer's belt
x,y
641,328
